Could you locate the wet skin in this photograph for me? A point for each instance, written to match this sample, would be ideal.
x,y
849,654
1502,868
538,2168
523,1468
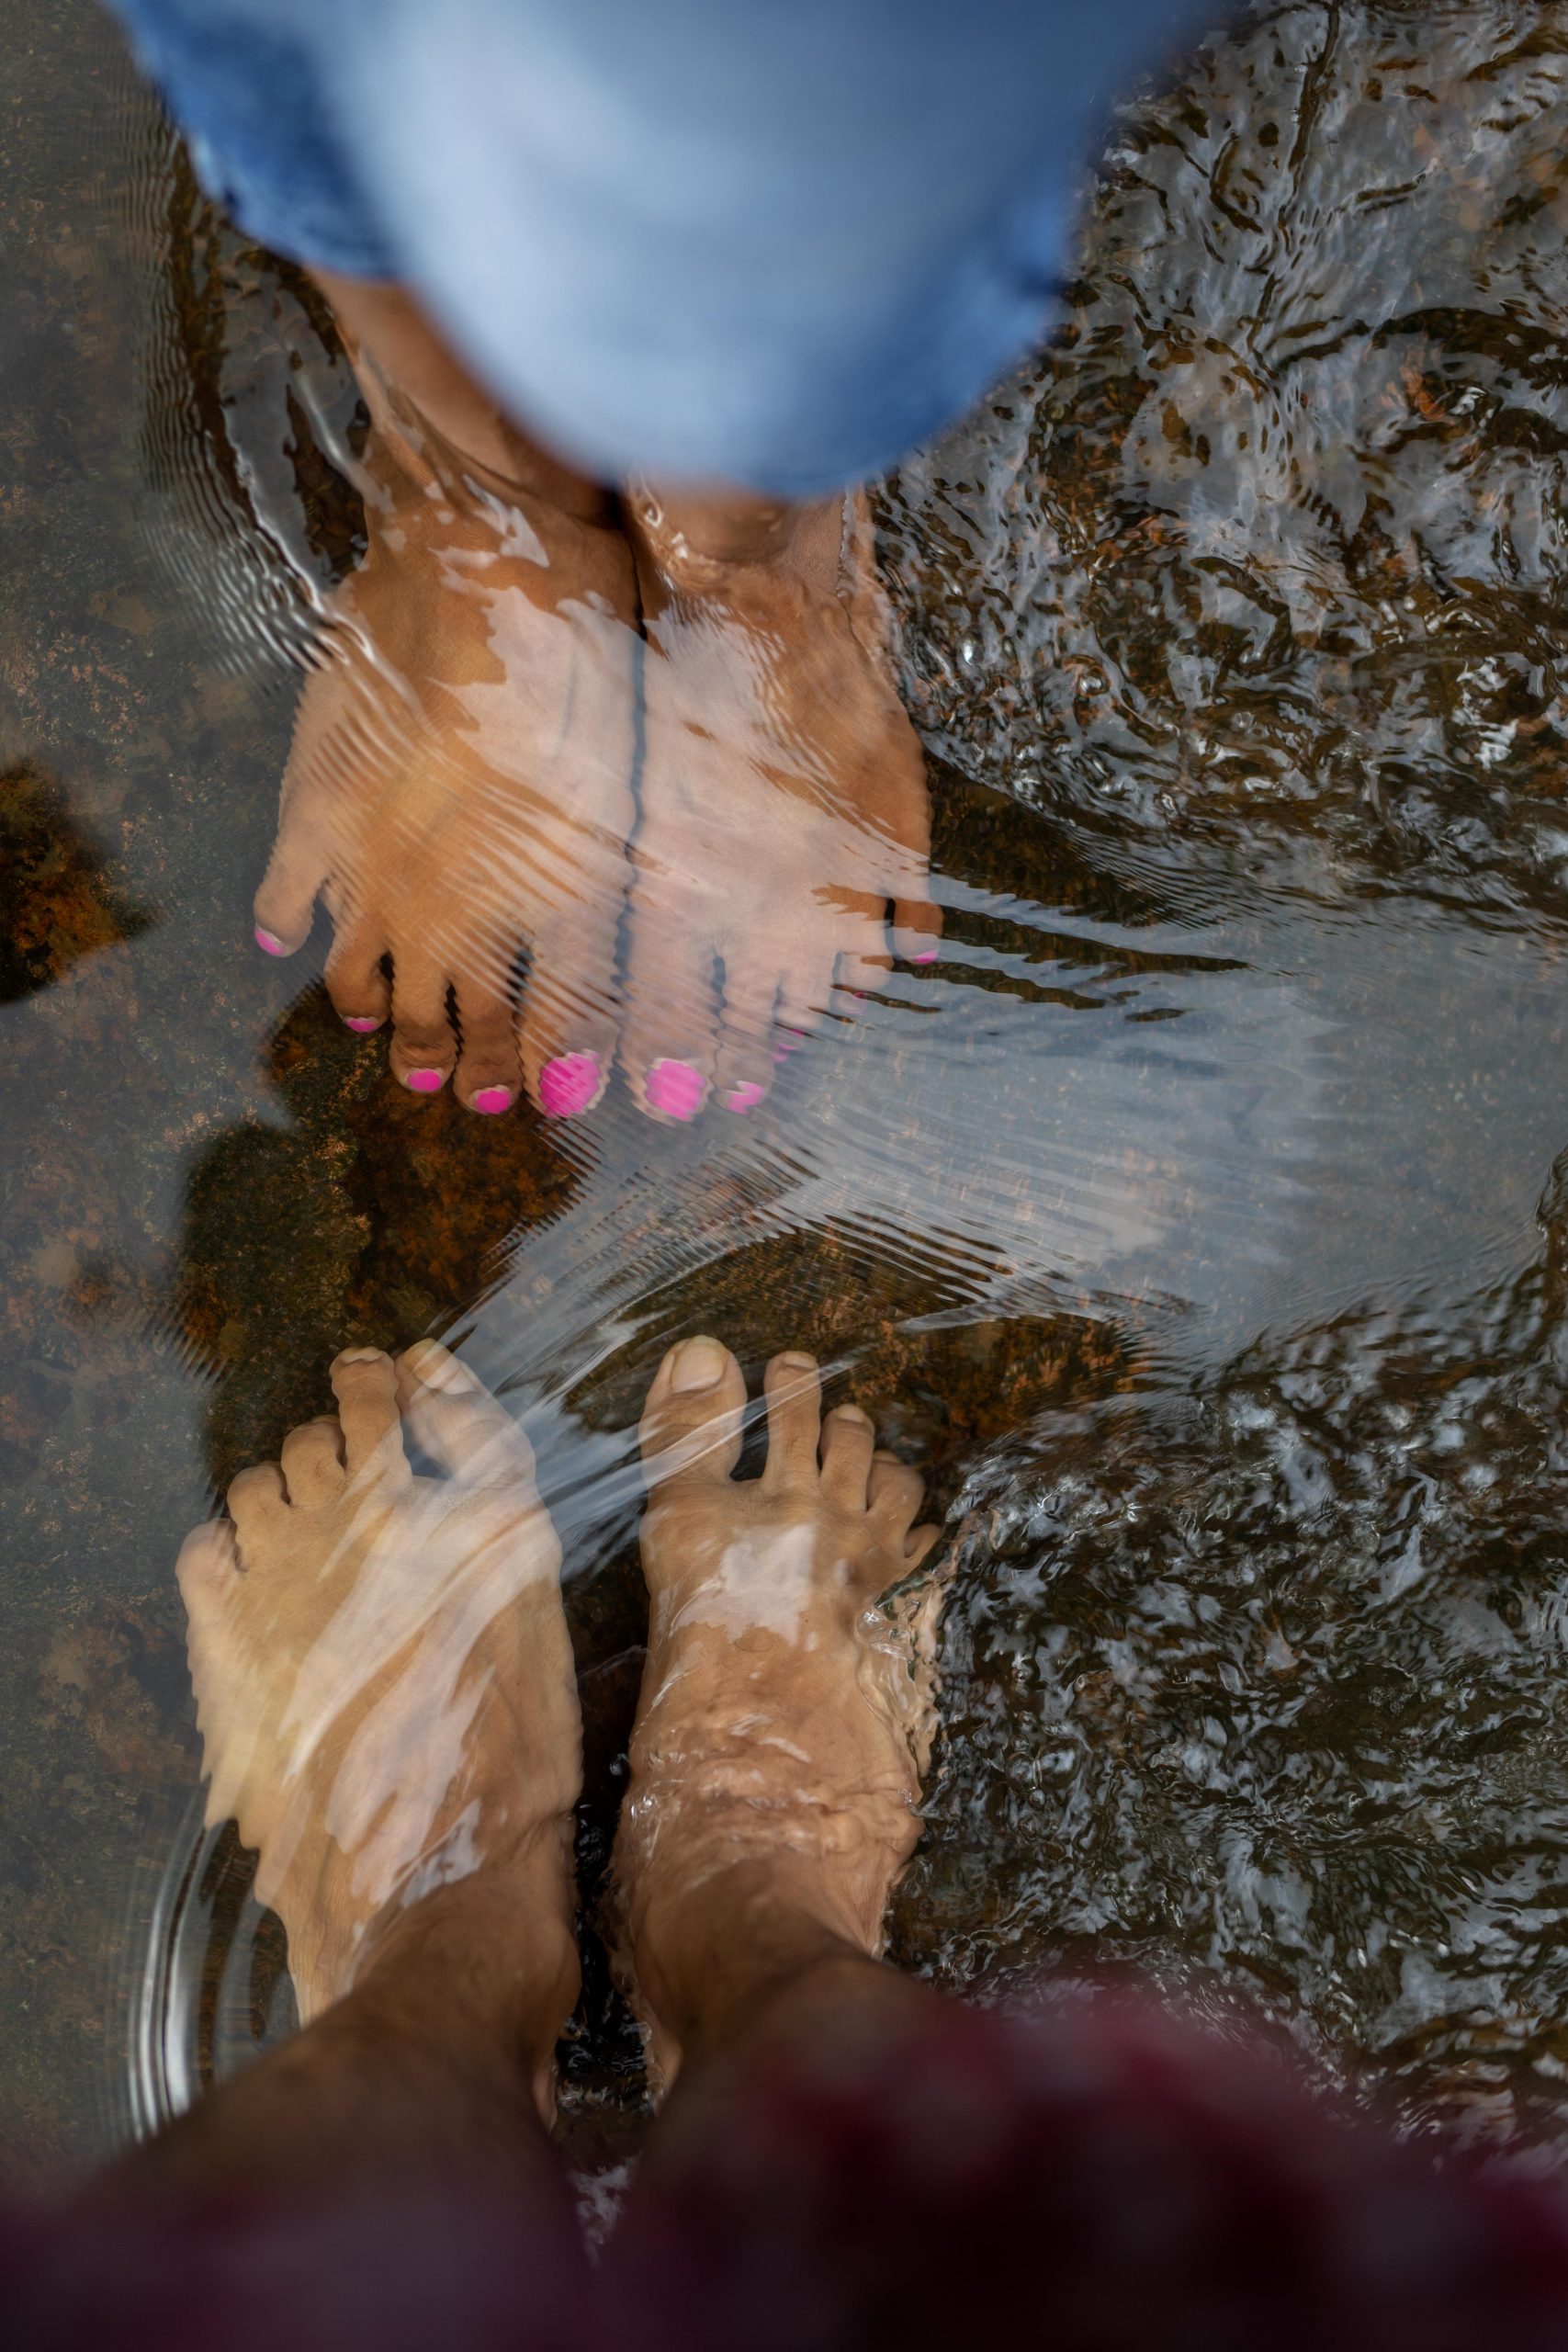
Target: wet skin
x,y
460,787
384,1683
460,793
387,1710
785,1721
783,797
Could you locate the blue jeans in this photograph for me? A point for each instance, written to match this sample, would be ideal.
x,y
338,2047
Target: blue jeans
x,y
769,242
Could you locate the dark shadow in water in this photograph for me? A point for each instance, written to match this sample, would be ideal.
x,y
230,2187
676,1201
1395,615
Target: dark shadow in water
x,y
56,904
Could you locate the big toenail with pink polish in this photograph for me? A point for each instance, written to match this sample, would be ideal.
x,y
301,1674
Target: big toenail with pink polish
x,y
569,1084
492,1099
425,1081
362,1024
926,955
677,1089
267,944
744,1097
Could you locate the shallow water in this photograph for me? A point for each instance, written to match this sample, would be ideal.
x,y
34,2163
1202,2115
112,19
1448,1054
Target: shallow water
x,y
1194,1218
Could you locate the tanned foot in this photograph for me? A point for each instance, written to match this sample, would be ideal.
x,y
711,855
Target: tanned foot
x,y
386,1694
460,785
785,1719
783,806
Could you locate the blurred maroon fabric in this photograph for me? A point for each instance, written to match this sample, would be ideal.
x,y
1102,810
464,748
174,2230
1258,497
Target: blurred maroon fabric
x,y
1103,2178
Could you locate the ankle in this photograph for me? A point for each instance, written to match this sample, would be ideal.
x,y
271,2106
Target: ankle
x,y
409,463
710,1955
487,1965
697,547
417,389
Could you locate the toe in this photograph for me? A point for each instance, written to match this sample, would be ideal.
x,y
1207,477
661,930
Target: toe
x,y
857,955
794,1420
296,871
487,1072
742,1082
863,974
893,1496
668,1043
313,1463
256,1497
804,993
568,1027
365,1383
424,1049
209,1556
456,1421
357,982
917,931
847,1443
568,1081
918,1543
674,1086
691,1422
743,1066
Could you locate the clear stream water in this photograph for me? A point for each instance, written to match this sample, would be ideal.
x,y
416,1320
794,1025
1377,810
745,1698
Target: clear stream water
x,y
1198,1218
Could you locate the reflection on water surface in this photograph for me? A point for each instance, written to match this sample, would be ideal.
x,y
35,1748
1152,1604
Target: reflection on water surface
x,y
1185,1216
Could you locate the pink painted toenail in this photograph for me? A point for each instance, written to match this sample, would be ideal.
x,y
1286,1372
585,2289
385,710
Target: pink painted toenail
x,y
268,944
926,955
744,1097
790,1042
425,1081
491,1099
676,1089
569,1084
362,1023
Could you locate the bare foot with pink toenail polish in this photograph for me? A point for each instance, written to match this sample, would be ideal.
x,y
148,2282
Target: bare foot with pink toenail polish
x,y
459,793
783,826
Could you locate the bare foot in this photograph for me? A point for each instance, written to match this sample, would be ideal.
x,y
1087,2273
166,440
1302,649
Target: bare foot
x,y
459,788
785,1719
385,1686
782,805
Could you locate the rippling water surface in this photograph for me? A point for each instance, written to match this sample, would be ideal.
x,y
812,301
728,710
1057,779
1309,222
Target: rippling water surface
x,y
1195,1218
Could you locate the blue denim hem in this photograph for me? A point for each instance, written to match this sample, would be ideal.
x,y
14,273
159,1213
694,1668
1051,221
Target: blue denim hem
x,y
249,98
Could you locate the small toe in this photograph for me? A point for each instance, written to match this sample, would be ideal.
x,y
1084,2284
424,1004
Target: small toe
x,y
804,994
743,1065
690,1431
424,1050
285,904
674,1087
856,954
794,1391
454,1419
256,1496
893,1496
355,979
489,1074
863,974
365,1383
670,1042
567,1026
313,1463
209,1556
917,931
847,1443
